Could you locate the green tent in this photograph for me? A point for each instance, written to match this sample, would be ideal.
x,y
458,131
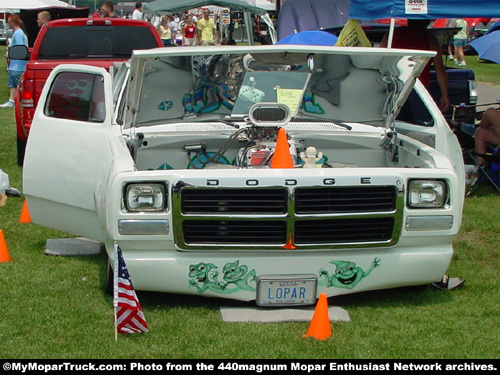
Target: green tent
x,y
177,6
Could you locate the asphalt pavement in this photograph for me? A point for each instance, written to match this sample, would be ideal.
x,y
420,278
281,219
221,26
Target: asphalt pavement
x,y
488,94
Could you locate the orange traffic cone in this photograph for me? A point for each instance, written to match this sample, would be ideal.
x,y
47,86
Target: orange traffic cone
x,y
4,252
25,214
320,324
282,157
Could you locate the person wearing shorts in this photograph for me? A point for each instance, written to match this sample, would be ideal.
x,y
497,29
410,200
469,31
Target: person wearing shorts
x,y
460,40
16,67
207,31
189,32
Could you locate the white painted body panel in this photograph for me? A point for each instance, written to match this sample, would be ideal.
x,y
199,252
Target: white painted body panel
x,y
75,174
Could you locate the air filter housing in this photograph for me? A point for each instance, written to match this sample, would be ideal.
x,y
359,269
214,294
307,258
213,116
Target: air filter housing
x,y
270,114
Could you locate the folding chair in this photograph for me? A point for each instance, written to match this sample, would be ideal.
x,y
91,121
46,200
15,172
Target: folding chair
x,y
460,114
488,173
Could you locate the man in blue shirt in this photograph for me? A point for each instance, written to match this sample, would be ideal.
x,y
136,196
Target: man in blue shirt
x,y
16,67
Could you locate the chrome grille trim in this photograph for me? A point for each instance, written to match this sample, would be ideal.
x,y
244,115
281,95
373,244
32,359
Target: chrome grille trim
x,y
209,218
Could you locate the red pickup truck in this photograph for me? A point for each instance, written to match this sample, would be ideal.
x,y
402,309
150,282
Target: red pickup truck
x,y
91,41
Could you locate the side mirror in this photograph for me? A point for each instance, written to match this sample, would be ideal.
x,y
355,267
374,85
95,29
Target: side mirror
x,y
19,52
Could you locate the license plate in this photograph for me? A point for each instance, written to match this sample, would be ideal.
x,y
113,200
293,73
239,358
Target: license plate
x,y
286,290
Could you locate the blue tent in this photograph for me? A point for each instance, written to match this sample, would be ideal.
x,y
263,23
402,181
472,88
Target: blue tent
x,y
488,46
311,37
379,9
495,27
304,15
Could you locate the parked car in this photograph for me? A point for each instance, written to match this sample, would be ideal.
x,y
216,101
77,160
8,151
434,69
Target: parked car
x,y
267,173
478,31
5,32
93,41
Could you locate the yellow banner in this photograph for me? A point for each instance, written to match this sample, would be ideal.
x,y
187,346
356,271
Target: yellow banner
x,y
352,35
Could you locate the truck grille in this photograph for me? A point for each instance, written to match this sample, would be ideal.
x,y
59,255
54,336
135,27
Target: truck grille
x,y
234,201
345,199
234,232
343,230
269,218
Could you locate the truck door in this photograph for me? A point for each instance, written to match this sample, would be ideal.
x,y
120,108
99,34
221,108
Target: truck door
x,y
68,155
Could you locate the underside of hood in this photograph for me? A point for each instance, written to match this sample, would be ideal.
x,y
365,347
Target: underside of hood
x,y
366,85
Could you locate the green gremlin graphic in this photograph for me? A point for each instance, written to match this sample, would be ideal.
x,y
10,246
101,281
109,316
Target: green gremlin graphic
x,y
205,276
347,274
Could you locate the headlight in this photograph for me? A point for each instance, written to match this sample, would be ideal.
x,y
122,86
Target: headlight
x,y
145,196
426,194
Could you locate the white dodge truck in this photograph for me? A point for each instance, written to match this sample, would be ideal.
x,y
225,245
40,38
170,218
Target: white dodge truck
x,y
268,173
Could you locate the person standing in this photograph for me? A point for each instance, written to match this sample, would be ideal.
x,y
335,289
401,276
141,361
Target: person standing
x,y
207,31
137,13
416,36
189,32
165,31
460,40
177,24
16,67
171,24
107,10
42,18
451,52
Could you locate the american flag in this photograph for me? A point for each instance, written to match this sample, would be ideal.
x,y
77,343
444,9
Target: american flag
x,y
128,312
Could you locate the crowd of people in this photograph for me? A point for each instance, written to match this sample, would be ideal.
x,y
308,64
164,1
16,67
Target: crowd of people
x,y
185,29
191,29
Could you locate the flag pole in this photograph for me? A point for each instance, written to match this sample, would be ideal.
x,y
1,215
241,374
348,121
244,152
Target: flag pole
x,y
116,329
391,32
125,302
115,288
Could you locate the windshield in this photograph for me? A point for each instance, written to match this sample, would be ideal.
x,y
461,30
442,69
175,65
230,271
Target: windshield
x,y
315,86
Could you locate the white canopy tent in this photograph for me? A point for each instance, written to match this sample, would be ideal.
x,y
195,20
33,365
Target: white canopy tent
x,y
264,4
13,6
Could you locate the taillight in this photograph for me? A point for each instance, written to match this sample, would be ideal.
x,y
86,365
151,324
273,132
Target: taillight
x,y
28,93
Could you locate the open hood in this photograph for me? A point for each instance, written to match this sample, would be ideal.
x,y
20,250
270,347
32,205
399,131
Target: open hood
x,y
349,85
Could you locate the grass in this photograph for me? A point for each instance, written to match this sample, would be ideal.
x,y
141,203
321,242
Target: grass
x,y
486,72
55,307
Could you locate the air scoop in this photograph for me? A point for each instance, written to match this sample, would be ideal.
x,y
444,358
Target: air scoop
x,y
270,114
